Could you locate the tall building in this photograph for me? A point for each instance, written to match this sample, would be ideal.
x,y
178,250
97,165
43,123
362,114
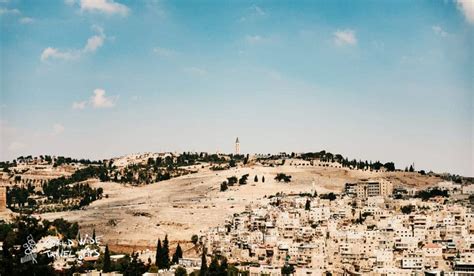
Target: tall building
x,y
3,197
364,189
237,146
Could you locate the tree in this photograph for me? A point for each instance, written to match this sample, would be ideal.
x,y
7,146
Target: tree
x,y
287,270
407,209
243,179
203,270
331,196
194,239
106,267
180,271
213,267
158,257
223,267
283,177
178,254
411,169
166,253
263,179
255,179
307,205
224,186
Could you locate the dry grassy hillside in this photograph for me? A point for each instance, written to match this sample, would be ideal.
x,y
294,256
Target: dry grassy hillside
x,y
134,217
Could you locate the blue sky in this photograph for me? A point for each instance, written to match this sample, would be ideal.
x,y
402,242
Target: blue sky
x,y
376,80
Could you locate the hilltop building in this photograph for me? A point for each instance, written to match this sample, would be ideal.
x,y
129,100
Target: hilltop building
x,y
237,146
365,189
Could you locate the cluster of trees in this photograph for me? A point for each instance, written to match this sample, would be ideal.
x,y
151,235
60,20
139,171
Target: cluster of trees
x,y
429,193
20,195
283,177
407,209
16,233
324,156
242,181
331,196
217,267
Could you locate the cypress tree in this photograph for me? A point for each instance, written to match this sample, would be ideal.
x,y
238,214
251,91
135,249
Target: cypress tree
x,y
166,253
223,267
203,270
263,179
158,258
178,254
106,266
213,267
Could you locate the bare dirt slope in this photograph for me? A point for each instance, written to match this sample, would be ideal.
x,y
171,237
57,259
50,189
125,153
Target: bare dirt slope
x,y
181,207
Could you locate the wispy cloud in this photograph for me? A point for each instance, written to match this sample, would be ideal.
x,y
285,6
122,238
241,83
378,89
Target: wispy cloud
x,y
79,105
196,71
253,39
467,8
163,52
92,44
4,11
54,53
253,12
439,31
109,7
26,20
345,37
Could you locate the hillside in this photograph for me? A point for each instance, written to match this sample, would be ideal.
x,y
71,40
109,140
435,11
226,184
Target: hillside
x,y
183,206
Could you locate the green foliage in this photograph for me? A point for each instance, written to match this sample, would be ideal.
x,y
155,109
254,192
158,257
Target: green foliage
x,y
180,271
194,239
407,209
283,177
331,196
203,269
287,270
106,267
243,179
224,186
429,193
178,254
231,180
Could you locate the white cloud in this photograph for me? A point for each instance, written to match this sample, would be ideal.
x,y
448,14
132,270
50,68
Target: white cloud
x,y
439,31
163,52
467,8
26,20
254,12
105,6
93,43
16,146
57,129
196,71
252,39
9,11
70,2
345,37
79,105
53,53
258,11
99,100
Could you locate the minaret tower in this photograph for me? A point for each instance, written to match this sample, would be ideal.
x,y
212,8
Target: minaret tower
x,y
237,146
